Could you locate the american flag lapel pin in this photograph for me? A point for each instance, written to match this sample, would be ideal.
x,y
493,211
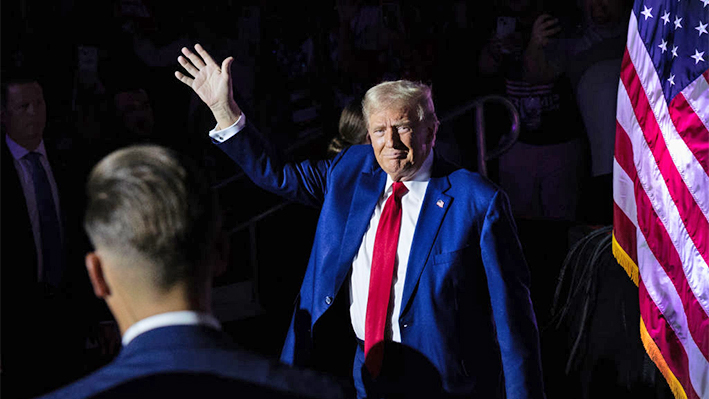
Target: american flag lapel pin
x,y
439,203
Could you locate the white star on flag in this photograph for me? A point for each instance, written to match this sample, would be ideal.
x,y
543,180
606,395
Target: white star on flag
x,y
666,17
663,46
697,56
646,12
702,28
661,186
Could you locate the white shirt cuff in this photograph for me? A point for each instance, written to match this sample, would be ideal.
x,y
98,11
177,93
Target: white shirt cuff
x,y
223,135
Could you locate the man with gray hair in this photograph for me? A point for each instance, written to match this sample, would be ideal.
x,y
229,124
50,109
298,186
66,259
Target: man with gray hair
x,y
155,227
419,257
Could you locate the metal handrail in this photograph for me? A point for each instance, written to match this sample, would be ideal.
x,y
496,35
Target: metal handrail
x,y
506,141
483,156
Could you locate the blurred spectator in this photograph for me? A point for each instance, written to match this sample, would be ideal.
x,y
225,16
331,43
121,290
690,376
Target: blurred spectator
x,y
378,41
594,71
45,313
529,52
352,129
134,113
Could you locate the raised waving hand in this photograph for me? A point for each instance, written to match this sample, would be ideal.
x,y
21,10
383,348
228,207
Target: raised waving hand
x,y
211,82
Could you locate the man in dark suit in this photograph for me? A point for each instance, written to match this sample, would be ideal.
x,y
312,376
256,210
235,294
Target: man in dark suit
x,y
41,287
423,254
154,224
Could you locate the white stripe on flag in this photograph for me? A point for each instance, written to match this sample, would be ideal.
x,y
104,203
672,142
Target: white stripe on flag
x,y
624,193
697,95
663,294
695,269
693,175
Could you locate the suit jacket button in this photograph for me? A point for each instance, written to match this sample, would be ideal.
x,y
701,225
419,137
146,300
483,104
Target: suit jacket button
x,y
328,300
406,325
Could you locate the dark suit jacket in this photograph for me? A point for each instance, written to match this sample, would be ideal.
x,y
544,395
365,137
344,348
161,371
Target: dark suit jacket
x,y
17,236
32,343
466,306
202,355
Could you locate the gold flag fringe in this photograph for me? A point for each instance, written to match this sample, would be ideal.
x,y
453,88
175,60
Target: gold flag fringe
x,y
654,352
625,261
650,347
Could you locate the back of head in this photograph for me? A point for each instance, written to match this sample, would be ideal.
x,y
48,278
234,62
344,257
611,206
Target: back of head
x,y
401,93
149,204
352,128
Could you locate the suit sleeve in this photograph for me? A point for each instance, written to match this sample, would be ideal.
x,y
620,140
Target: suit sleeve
x,y
508,281
304,182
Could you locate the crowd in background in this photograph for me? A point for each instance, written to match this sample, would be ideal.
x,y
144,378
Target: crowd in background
x,y
300,69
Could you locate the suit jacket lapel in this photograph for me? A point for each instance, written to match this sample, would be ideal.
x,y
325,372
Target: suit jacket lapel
x,y
433,209
366,195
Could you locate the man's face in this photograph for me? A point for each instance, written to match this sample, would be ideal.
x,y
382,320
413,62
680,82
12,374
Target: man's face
x,y
133,108
401,143
25,112
605,11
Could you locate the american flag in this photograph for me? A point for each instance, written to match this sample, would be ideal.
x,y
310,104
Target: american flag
x,y
661,185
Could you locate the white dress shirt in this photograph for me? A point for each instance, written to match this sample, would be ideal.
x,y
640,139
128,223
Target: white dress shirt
x,y
362,263
24,172
180,318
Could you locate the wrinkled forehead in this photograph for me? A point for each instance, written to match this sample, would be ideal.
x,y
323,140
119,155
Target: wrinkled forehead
x,y
391,115
18,93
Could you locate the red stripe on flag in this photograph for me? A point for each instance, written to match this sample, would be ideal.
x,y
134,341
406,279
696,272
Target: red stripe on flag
x,y
694,220
624,232
666,340
660,244
624,154
691,129
623,228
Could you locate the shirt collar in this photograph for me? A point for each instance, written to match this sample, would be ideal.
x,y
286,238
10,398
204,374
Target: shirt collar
x,y
418,183
18,152
180,318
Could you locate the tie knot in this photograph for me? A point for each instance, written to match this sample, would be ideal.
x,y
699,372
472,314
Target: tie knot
x,y
33,156
399,189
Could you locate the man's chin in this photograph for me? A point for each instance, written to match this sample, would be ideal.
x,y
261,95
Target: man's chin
x,y
401,173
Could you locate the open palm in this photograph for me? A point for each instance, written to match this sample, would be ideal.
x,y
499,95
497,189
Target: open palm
x,y
210,81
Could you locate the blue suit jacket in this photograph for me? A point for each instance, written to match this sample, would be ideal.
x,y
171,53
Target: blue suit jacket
x,y
197,350
466,303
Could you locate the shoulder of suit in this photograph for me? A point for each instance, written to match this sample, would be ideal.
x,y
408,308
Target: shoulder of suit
x,y
356,156
467,183
359,150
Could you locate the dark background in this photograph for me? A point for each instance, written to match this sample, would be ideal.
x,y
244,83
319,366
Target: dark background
x,y
288,79
291,82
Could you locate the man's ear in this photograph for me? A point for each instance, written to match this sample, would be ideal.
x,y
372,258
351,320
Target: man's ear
x,y
432,130
98,281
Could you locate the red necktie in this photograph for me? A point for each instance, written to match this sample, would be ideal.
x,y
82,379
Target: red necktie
x,y
383,259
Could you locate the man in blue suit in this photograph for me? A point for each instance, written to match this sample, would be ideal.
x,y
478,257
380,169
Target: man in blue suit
x,y
421,255
154,224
